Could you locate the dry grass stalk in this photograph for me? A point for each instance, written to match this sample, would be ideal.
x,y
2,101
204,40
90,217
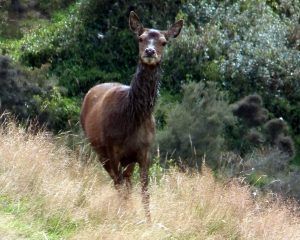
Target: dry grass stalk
x,y
193,206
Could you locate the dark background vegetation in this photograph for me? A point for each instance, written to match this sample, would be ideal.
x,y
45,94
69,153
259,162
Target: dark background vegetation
x,y
230,91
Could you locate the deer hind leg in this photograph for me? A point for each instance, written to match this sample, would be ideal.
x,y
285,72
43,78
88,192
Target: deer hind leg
x,y
144,168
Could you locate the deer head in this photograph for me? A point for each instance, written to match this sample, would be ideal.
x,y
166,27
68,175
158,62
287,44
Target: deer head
x,y
152,41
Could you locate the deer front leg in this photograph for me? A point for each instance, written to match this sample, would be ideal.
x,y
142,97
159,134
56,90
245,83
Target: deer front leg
x,y
144,169
115,167
127,173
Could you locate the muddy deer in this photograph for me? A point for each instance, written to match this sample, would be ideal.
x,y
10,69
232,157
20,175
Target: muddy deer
x,y
117,119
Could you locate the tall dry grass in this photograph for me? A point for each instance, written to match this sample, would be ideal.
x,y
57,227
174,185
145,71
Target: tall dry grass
x,y
49,179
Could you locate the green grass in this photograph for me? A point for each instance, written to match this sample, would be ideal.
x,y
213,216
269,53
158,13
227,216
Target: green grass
x,y
16,220
58,226
14,223
258,179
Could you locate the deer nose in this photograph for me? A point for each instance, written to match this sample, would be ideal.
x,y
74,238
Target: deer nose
x,y
150,52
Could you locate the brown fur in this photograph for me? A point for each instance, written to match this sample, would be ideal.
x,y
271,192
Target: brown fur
x,y
117,119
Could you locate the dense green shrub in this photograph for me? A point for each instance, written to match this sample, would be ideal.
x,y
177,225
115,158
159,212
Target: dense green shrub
x,y
286,145
47,7
194,127
246,134
105,14
183,61
262,150
240,45
250,44
274,128
245,46
15,91
30,95
49,41
92,43
253,130
58,112
3,22
250,110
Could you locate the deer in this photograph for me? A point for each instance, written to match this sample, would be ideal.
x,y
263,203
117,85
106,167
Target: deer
x,y
118,119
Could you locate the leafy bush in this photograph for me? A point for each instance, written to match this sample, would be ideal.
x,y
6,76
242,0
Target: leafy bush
x,y
84,46
194,128
250,110
254,130
15,91
182,61
45,43
244,46
28,94
3,21
264,149
274,128
58,112
48,7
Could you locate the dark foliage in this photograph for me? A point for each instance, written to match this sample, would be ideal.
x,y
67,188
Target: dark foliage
x,y
245,46
93,44
251,132
250,110
15,92
286,145
255,137
28,96
48,7
274,128
195,127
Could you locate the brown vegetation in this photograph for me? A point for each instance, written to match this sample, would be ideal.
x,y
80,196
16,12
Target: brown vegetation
x,y
183,206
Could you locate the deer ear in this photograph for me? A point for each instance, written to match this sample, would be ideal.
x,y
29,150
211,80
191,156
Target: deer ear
x,y
135,24
174,30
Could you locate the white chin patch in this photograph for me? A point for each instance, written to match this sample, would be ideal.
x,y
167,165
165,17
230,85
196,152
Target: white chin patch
x,y
150,60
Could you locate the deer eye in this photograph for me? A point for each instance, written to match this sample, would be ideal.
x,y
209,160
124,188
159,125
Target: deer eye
x,y
140,39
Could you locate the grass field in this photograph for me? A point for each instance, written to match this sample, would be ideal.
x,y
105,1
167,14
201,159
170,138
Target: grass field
x,y
47,193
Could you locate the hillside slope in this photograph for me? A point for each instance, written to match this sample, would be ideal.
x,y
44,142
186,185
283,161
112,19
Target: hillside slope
x,y
44,186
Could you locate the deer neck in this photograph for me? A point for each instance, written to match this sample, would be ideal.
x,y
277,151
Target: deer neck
x,y
143,91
